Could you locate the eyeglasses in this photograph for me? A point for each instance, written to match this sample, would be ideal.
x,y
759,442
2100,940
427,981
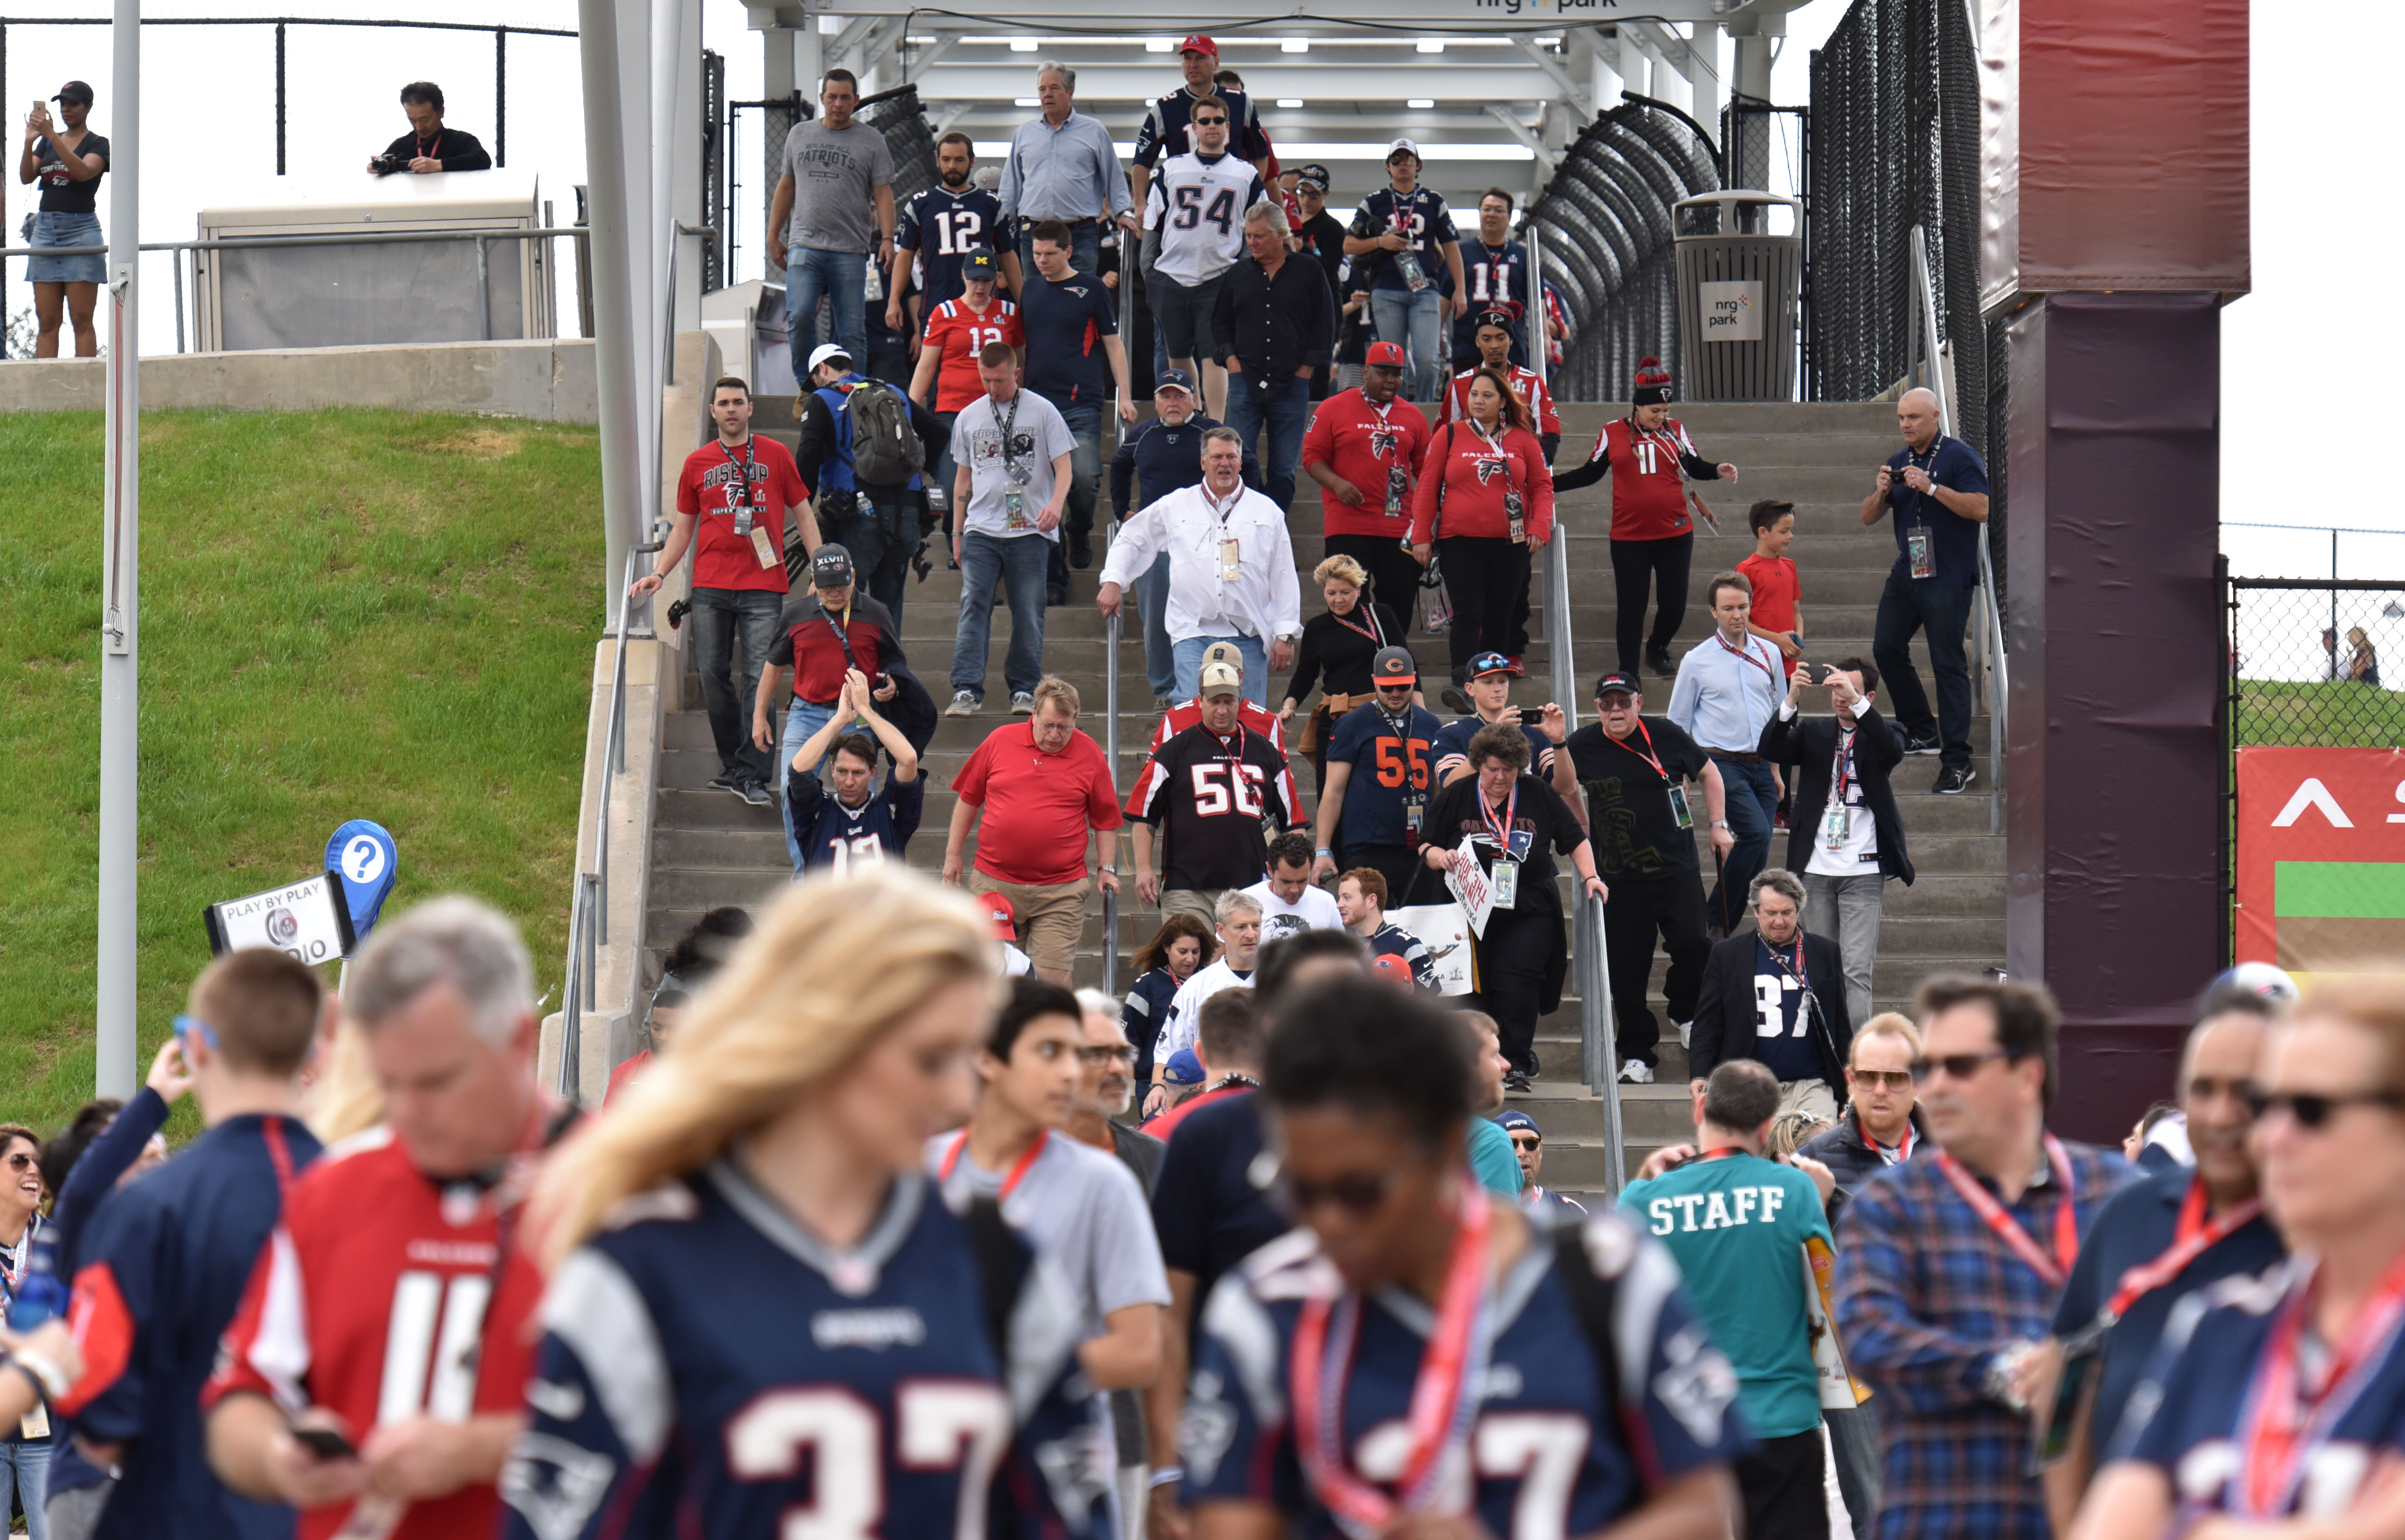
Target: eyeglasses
x,y
2314,1109
1893,1079
1957,1066
1121,1054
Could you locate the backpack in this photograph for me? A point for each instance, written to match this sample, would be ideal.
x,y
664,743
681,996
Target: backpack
x,y
885,448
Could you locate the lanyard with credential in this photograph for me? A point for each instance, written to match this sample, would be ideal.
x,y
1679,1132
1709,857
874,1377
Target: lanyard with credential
x,y
1017,1172
742,472
2194,1236
1747,654
2051,1270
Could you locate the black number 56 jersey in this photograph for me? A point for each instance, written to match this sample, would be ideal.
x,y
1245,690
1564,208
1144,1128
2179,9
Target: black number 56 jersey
x,y
1209,796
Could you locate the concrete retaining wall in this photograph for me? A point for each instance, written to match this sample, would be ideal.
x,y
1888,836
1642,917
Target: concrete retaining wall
x,y
549,380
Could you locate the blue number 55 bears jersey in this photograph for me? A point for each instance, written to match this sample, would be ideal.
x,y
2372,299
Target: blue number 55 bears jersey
x,y
1553,1450
711,1370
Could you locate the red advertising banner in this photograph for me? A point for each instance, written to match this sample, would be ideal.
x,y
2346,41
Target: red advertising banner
x,y
2321,858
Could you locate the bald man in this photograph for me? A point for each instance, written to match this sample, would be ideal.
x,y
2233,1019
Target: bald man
x,y
2160,1240
1938,488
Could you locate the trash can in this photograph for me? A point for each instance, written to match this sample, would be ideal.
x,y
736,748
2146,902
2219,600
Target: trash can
x,y
1738,284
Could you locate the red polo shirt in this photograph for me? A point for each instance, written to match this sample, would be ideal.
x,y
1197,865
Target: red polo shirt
x,y
1037,805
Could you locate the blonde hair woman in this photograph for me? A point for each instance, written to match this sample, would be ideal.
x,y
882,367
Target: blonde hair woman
x,y
1338,645
750,1216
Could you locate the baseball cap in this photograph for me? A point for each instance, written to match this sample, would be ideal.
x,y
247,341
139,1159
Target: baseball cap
x,y
1183,1069
1515,1120
1224,653
1175,379
1623,683
1003,918
830,566
1393,665
977,262
1403,144
1385,353
824,351
74,91
1221,679
1493,663
1314,175
1394,970
1199,44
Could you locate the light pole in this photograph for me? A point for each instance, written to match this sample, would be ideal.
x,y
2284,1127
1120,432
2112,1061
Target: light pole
x,y
121,802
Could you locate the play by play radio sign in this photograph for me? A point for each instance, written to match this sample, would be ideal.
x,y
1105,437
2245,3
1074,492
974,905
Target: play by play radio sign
x,y
2321,858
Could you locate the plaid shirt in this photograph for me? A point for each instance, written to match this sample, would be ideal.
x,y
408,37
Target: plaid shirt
x,y
1926,1297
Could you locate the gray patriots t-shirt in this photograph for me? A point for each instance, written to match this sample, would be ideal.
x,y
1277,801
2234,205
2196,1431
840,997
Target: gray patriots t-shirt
x,y
835,172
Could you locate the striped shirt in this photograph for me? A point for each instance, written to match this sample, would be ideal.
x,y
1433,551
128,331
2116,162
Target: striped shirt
x,y
1927,1295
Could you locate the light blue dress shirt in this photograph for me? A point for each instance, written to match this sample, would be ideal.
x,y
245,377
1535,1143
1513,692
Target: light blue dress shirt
x,y
1725,696
1068,172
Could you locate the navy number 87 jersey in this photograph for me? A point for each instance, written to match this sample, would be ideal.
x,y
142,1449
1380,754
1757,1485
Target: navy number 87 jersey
x,y
1550,1455
708,1369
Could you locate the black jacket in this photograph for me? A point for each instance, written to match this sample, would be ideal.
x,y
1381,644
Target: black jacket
x,y
1274,326
460,150
1849,1156
1725,1010
1810,745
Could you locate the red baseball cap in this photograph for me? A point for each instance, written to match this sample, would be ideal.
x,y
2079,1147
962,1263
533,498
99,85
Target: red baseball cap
x,y
1385,353
1199,44
1004,917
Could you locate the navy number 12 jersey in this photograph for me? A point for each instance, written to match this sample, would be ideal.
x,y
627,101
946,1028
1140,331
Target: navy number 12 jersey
x,y
711,1370
1549,1453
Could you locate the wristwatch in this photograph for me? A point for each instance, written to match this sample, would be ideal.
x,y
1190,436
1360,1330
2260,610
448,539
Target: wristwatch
x,y
1719,823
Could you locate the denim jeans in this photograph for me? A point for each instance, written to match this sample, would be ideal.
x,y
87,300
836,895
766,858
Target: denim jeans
x,y
732,631
1159,654
27,1465
1190,652
843,276
1847,910
880,551
1854,1440
1417,322
1084,244
1942,613
947,471
1752,796
1085,421
1017,564
1282,406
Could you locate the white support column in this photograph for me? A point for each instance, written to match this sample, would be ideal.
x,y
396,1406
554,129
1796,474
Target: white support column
x,y
624,440
1603,69
1705,77
1636,62
120,939
676,117
1748,159
1749,68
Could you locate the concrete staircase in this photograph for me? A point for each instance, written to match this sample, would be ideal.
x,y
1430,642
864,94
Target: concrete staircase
x,y
710,849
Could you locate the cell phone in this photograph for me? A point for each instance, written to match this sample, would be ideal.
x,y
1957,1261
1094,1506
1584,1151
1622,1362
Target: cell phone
x,y
1822,672
1532,716
325,1443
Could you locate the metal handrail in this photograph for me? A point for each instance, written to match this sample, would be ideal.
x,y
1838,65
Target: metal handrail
x,y
1926,357
1111,642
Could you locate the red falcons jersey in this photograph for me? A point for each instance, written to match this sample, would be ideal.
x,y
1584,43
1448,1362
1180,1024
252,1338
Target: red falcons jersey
x,y
1376,452
1649,493
1251,718
1525,384
958,334
383,1296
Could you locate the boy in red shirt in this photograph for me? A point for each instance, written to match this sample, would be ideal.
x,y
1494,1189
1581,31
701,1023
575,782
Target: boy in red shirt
x,y
1777,588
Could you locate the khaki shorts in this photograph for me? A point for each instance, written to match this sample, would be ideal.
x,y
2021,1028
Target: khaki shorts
x,y
1807,1096
1202,903
1051,919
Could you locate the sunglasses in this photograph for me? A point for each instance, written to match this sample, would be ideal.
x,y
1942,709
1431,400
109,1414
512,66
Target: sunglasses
x,y
1359,1194
1957,1066
1209,122
1892,1079
1122,1053
2312,1110
20,1161
1533,1143
188,1026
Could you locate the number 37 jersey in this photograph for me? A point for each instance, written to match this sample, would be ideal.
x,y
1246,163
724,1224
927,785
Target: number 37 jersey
x,y
708,1370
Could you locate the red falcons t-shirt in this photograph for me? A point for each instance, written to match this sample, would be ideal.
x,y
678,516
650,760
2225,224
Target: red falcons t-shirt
x,y
1776,591
376,1298
1649,491
1037,805
1524,385
1365,446
711,488
958,334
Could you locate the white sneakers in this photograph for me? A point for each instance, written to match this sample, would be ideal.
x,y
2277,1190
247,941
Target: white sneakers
x,y
1685,1028
1637,1072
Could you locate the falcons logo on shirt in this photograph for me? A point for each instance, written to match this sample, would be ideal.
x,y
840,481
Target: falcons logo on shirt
x,y
1383,440
1490,467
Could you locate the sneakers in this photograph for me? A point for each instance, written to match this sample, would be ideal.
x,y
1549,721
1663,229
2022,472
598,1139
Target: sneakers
x,y
1685,1028
1954,780
724,781
1637,1072
965,704
754,791
1081,552
1516,1083
1162,701
1022,703
1455,701
1657,661
1919,744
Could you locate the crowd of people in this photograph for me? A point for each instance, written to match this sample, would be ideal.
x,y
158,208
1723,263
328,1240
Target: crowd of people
x,y
876,1237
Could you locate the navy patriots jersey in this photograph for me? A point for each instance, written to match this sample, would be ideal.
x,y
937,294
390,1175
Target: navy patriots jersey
x,y
2183,1419
835,836
711,1370
1549,1452
942,226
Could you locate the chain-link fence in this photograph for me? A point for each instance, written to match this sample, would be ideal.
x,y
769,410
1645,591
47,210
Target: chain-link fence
x,y
1606,220
2307,663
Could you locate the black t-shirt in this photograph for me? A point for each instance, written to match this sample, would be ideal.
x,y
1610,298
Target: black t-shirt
x,y
61,192
1542,826
1205,1210
1636,832
1208,795
1323,239
456,150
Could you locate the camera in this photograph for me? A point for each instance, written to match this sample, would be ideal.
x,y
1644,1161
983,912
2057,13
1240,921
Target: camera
x,y
388,164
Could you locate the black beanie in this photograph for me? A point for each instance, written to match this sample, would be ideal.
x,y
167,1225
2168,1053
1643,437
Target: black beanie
x,y
1653,382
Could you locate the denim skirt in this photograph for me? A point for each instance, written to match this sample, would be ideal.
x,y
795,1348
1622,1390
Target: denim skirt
x,y
54,229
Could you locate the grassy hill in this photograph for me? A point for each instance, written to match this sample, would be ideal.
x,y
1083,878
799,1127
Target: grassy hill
x,y
345,614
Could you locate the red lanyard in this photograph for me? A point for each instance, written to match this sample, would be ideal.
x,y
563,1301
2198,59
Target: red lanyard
x,y
2278,1422
742,467
1747,654
435,154
1802,977
2051,1269
2189,1241
1502,832
1018,1172
1647,754
1376,633
1444,1396
1903,1146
